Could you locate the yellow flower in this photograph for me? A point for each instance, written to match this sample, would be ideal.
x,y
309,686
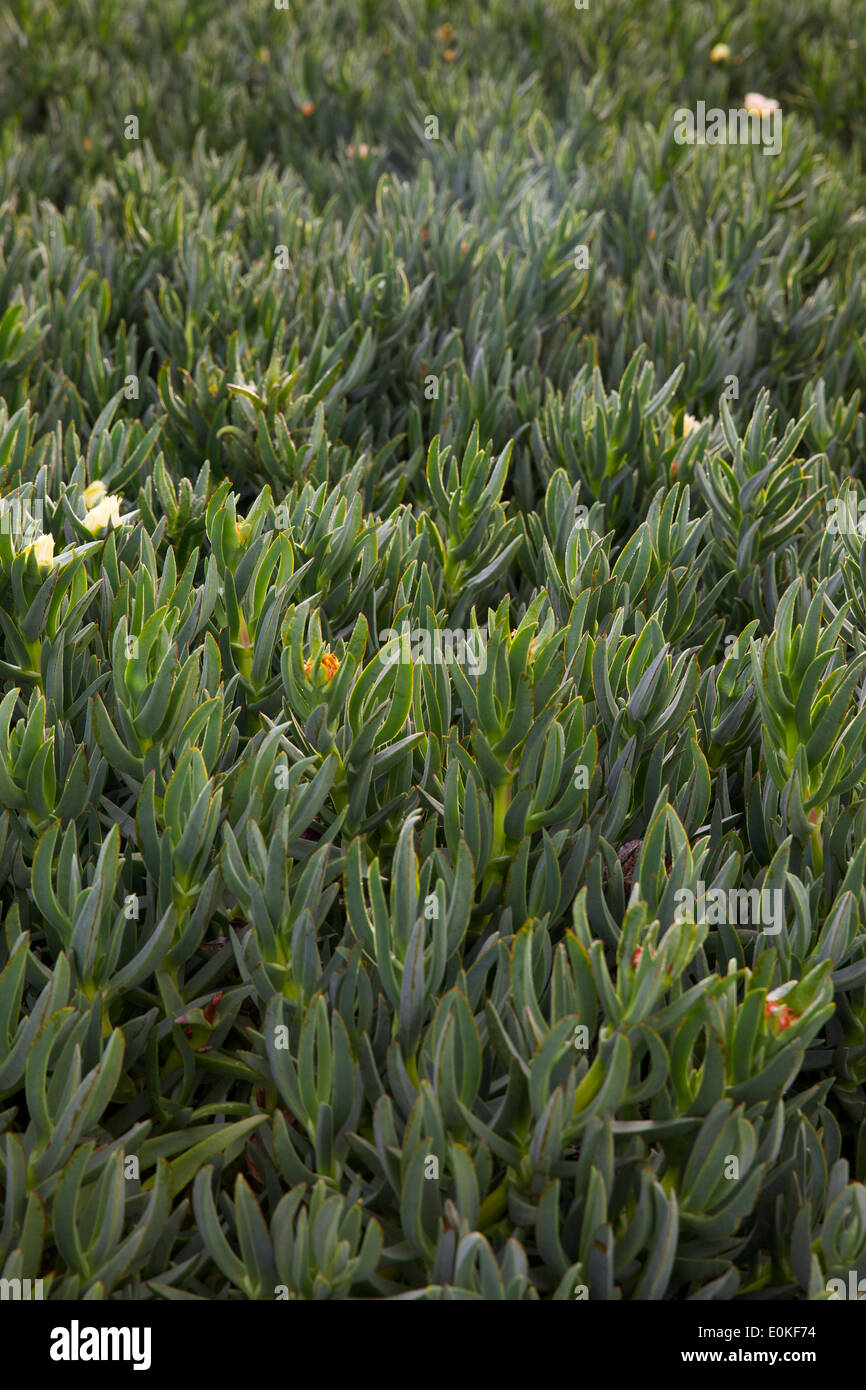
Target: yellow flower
x,y
42,550
720,53
446,33
329,663
104,513
690,424
94,494
758,105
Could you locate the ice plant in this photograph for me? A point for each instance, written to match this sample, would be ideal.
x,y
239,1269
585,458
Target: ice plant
x,y
42,550
328,663
780,1014
104,513
813,722
433,836
94,493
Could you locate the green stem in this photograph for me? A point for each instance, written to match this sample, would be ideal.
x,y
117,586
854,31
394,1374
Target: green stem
x,y
817,844
501,802
34,652
340,789
411,1065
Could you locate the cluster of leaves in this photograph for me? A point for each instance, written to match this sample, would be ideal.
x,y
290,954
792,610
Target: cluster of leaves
x,y
335,962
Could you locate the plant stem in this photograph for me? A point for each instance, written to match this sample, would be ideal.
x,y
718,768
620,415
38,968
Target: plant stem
x,y
501,802
817,845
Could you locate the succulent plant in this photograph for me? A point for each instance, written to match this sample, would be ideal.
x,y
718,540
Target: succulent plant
x,y
432,641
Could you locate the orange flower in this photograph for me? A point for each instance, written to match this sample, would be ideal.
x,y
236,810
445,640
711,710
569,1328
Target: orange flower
x,y
329,663
445,33
210,1009
449,55
308,108
774,1008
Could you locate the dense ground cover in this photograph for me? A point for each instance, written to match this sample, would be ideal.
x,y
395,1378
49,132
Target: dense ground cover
x,y
432,644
